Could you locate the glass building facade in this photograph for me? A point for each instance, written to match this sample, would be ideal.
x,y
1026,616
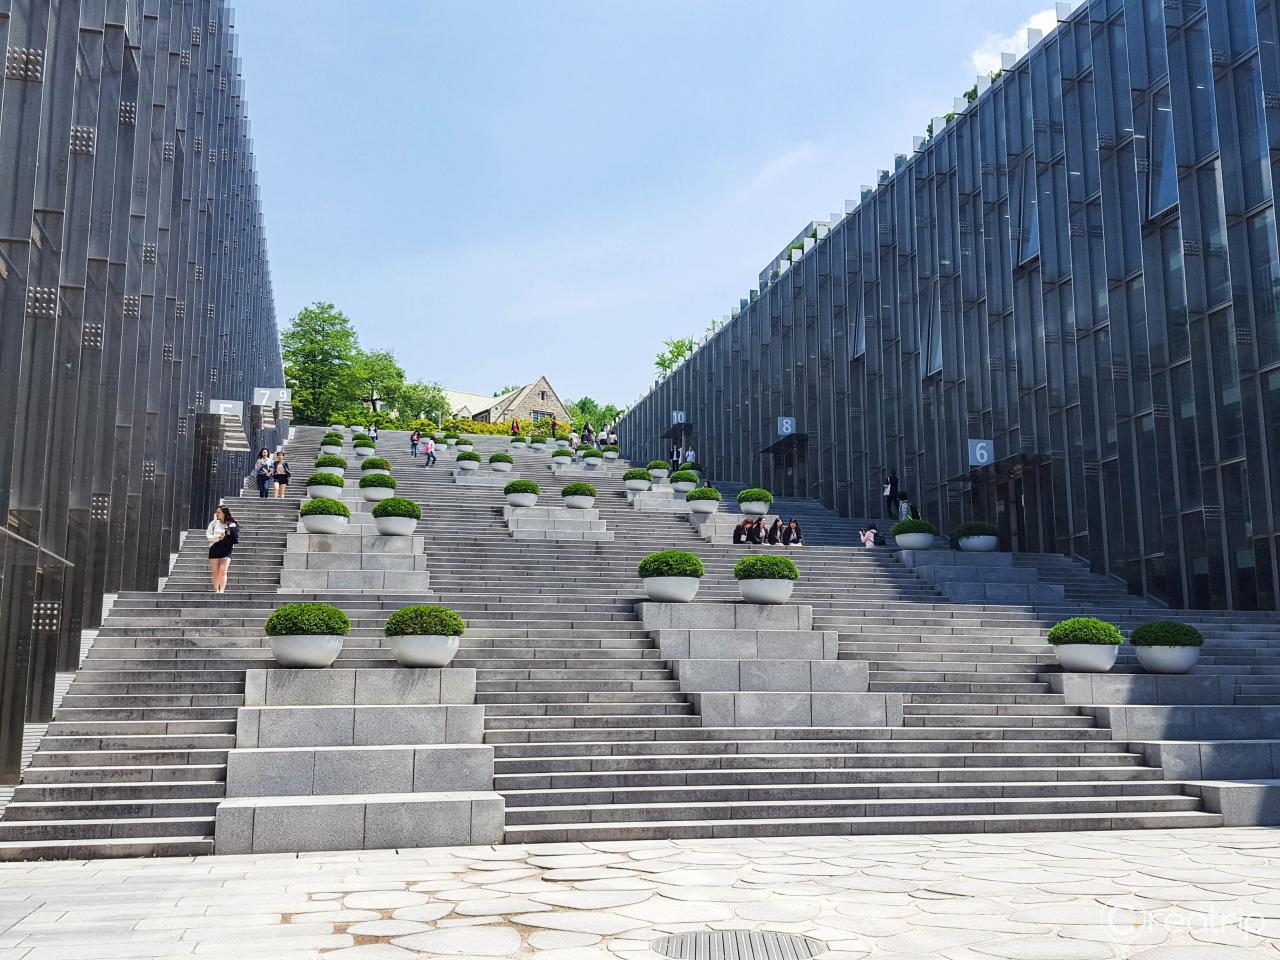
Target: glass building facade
x,y
1079,266
135,297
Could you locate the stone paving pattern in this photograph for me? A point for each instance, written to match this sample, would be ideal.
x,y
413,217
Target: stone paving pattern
x,y
1153,894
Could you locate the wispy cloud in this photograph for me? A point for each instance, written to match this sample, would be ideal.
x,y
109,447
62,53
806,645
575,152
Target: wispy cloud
x,y
986,55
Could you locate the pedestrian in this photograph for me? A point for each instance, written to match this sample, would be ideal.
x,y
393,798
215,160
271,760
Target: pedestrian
x,y
373,432
262,473
553,428
792,536
415,438
281,473
573,439
613,437
775,532
891,492
691,456
429,447
870,537
740,531
223,533
904,507
515,428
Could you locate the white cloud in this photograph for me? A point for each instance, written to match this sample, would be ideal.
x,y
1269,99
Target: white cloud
x,y
986,56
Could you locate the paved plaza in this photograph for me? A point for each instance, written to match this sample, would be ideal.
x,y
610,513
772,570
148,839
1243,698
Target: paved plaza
x,y
1158,895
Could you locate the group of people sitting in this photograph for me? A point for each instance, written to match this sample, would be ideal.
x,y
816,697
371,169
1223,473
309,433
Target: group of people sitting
x,y
755,531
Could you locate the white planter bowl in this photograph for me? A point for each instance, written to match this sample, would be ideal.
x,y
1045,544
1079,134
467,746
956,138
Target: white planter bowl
x,y
657,475
579,503
324,523
306,649
518,444
592,463
468,465
323,491
914,541
500,466
466,447
754,508
365,473
684,486
522,499
610,456
395,526
1167,659
562,443
336,426
538,446
704,506
636,486
977,544
1086,657
374,494
333,448
671,589
424,650
451,443
363,452
766,591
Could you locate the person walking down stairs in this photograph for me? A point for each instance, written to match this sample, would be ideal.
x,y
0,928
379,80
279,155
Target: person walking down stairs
x,y
262,473
415,438
223,533
281,473
429,448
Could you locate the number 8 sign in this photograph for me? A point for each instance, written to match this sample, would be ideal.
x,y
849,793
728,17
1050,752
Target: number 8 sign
x,y
982,453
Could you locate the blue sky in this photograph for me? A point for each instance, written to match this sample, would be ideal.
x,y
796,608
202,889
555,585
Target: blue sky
x,y
499,190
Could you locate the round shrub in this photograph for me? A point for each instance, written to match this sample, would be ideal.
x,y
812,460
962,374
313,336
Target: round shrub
x,y
312,619
500,458
424,620
450,436
324,480
913,526
591,453
561,452
703,493
469,455
976,528
362,444
377,480
397,507
636,473
578,490
659,465
612,448
765,568
522,486
683,476
671,563
693,465
360,436
1085,630
517,439
539,438
375,463
1166,633
332,438
755,495
324,507
330,460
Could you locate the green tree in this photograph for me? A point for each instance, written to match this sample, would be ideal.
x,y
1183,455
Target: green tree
x,y
319,348
376,378
677,349
586,411
505,390
422,401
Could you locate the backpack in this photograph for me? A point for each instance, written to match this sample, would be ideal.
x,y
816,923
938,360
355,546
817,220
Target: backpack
x,y
233,533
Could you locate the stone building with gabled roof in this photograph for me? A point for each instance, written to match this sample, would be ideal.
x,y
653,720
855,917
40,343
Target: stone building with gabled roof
x,y
531,403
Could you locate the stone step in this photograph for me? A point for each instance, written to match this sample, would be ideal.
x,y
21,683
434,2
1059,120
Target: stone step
x,y
104,849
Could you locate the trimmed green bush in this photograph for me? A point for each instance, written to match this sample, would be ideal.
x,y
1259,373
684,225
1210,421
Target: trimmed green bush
x,y
659,465
755,495
1086,630
636,473
683,476
312,619
330,460
591,453
703,493
765,568
450,436
517,440
362,444
671,563
333,440
693,465
324,507
324,480
468,455
377,480
913,526
578,490
424,620
561,452
611,448
1166,633
375,463
976,528
397,507
500,458
539,438
522,486
360,436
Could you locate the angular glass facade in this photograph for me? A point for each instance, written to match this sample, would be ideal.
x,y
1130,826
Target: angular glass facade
x,y
134,290
1082,268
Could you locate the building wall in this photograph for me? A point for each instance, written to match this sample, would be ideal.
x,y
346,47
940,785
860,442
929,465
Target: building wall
x,y
532,400
1082,267
134,289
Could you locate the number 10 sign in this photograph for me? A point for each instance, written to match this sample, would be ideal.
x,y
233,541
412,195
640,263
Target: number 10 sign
x,y
982,453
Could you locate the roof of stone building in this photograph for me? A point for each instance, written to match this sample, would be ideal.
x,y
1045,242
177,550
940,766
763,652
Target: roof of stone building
x,y
474,403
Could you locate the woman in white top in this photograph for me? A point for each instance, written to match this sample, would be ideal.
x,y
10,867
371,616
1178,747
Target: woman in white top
x,y
223,533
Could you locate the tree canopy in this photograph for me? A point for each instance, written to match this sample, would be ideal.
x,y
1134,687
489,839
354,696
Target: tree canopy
x,y
587,410
677,349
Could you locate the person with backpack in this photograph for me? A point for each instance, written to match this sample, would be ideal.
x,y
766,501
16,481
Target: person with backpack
x,y
223,533
870,537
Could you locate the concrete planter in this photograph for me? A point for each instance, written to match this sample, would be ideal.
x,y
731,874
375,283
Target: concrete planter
x,y
499,466
914,541
610,456
636,486
1167,659
522,499
306,649
562,444
466,447
704,506
333,448
1086,657
684,486
671,589
324,523
323,490
754,508
468,465
656,475
538,446
451,443
395,526
363,452
975,544
424,650
591,463
518,444
365,473
579,503
374,494
337,427
766,591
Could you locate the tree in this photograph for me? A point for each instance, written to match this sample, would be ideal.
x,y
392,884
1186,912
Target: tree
x,y
422,401
376,378
505,390
319,348
586,411
677,349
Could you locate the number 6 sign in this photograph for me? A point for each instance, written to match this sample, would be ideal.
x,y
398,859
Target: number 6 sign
x,y
982,453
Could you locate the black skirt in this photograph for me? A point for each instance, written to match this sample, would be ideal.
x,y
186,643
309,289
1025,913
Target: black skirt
x,y
220,549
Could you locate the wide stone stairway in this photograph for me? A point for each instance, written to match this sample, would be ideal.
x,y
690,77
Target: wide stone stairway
x,y
592,735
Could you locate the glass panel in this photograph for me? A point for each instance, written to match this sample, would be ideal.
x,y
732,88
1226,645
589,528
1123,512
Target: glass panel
x,y
1163,182
1265,276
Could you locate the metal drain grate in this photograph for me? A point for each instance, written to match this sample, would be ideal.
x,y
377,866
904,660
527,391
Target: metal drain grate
x,y
739,945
